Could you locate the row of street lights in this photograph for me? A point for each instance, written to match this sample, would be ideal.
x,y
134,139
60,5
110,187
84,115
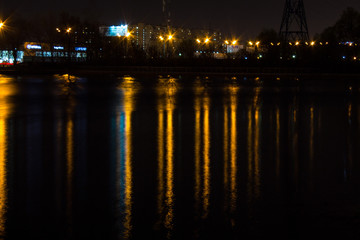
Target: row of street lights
x,y
297,43
67,30
206,40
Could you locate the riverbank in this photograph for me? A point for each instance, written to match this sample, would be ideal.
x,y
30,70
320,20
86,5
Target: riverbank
x,y
250,71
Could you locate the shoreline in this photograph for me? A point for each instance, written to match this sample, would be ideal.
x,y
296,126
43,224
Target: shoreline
x,y
195,70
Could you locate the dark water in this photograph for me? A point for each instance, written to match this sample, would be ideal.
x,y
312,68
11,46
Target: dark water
x,y
179,158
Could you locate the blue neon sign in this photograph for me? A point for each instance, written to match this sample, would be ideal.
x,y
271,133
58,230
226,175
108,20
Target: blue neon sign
x,y
80,48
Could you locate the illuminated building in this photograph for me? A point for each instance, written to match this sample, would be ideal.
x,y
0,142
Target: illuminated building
x,y
154,37
113,31
85,36
7,57
45,52
144,35
234,48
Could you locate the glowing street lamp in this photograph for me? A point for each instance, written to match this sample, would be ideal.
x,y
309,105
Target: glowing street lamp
x,y
2,25
312,43
198,41
127,37
207,40
234,42
161,38
251,43
170,37
68,30
257,43
227,42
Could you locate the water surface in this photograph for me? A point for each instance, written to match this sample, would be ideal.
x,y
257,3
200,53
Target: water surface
x,y
178,157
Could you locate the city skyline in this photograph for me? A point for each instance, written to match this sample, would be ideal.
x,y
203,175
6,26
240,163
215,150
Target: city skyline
x,y
245,19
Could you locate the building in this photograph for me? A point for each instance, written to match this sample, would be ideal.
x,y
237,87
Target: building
x,y
45,52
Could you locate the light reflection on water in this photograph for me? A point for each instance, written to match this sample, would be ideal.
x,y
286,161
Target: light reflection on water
x,y
128,88
6,91
174,158
166,93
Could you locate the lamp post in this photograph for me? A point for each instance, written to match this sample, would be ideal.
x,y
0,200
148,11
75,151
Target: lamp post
x,y
257,44
232,43
170,38
164,39
127,37
207,46
161,38
68,31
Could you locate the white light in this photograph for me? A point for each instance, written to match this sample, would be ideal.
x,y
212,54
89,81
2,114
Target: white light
x,y
58,48
29,46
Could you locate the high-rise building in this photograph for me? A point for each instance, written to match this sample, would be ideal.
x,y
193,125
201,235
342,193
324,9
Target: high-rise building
x,y
144,35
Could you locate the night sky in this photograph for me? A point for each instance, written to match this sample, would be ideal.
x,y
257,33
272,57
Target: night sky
x,y
239,17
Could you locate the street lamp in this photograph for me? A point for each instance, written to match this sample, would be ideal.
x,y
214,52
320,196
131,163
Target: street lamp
x,y
166,38
162,39
127,37
68,30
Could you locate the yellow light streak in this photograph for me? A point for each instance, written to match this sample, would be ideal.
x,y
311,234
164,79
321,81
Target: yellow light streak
x,y
206,156
233,147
